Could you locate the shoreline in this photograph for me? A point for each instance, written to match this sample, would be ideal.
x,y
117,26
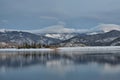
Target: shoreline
x,y
69,50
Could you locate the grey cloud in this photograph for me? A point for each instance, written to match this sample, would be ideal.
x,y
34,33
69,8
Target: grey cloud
x,y
40,13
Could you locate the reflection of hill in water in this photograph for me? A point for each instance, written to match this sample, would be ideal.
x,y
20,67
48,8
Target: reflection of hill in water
x,y
27,59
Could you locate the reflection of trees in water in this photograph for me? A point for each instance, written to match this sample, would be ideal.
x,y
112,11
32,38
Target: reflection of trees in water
x,y
33,58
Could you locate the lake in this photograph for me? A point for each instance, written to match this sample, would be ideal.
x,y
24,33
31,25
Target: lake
x,y
56,66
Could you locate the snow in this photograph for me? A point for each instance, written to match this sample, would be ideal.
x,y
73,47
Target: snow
x,y
87,50
53,35
74,50
106,39
6,30
92,33
2,30
61,36
115,43
14,49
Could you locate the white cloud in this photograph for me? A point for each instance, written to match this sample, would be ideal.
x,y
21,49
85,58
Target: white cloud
x,y
61,28
55,29
108,27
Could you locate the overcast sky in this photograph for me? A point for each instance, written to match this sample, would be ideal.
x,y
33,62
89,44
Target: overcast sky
x,y
38,14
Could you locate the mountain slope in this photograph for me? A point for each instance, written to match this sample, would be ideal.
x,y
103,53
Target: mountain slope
x,y
115,42
102,39
19,37
111,38
61,36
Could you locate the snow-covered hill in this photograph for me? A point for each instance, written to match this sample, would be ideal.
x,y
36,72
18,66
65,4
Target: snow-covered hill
x,y
61,36
19,37
102,39
9,37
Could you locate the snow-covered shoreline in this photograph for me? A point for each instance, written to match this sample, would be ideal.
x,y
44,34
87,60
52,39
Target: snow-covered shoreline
x,y
70,50
93,49
31,49
90,48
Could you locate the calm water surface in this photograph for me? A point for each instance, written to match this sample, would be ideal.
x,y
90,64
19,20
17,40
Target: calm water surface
x,y
53,66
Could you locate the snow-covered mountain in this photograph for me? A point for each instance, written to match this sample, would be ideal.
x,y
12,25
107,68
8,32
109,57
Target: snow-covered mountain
x,y
61,36
111,38
19,37
102,39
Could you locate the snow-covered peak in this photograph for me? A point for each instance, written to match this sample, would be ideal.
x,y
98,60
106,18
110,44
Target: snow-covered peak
x,y
92,33
53,35
3,30
6,30
10,30
61,36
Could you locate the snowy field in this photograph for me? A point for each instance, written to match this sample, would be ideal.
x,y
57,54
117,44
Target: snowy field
x,y
70,50
96,49
14,49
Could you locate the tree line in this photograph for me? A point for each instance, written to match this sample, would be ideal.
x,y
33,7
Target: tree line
x,y
35,45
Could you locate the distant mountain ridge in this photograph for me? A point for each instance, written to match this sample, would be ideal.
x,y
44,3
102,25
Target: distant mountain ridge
x,y
61,36
102,39
19,37
111,38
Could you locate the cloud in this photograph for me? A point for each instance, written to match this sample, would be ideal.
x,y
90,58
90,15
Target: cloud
x,y
55,29
59,28
108,27
62,28
29,12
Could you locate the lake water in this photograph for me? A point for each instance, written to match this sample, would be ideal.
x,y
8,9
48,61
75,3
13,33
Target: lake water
x,y
54,66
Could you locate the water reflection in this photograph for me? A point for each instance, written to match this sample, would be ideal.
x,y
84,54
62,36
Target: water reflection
x,y
51,58
57,66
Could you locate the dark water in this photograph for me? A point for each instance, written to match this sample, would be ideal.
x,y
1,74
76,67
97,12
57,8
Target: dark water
x,y
53,66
